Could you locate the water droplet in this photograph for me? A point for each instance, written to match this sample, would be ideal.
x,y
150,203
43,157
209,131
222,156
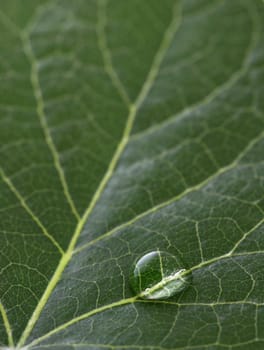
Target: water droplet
x,y
159,275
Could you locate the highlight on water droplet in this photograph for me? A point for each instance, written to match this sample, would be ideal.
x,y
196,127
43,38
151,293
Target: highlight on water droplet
x,y
159,275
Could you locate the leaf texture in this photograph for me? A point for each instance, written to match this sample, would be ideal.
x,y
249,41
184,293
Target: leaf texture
x,y
126,127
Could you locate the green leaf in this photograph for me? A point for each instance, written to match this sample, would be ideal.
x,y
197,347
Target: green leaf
x,y
127,127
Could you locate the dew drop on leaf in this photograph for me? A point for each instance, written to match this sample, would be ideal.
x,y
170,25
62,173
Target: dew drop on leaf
x,y
159,275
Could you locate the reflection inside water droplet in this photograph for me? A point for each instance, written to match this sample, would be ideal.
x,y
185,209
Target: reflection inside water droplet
x,y
159,275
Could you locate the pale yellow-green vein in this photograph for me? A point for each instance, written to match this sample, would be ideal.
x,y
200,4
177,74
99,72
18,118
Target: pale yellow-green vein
x,y
7,325
120,148
165,44
102,43
134,346
24,204
34,77
218,90
135,299
172,200
84,316
245,235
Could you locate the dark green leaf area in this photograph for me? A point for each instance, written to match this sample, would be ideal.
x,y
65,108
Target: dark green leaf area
x,y
131,127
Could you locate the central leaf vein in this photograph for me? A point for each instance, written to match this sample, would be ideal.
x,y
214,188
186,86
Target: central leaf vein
x,y
154,69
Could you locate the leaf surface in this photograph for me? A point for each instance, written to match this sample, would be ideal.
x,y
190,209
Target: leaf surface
x,y
126,127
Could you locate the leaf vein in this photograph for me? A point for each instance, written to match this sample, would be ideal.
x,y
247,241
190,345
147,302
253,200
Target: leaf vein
x,y
106,54
7,325
178,197
165,43
23,203
217,92
34,77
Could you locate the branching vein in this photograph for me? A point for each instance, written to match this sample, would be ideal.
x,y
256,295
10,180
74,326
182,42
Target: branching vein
x,y
24,204
135,299
102,43
34,76
169,34
133,110
172,200
7,325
